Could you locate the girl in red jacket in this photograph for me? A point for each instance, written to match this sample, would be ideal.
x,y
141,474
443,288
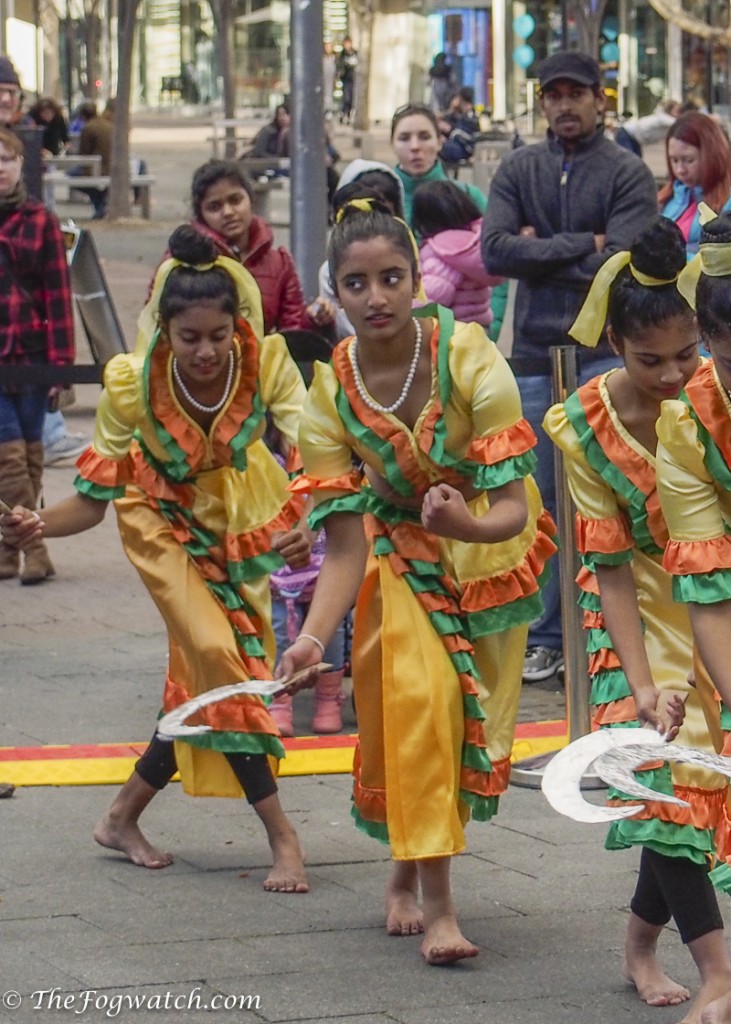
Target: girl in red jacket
x,y
221,196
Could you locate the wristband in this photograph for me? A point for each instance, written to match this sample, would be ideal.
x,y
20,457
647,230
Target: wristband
x,y
314,639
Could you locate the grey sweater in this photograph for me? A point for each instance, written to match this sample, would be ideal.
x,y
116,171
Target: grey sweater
x,y
599,189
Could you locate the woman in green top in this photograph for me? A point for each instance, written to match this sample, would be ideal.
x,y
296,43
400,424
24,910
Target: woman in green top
x,y
416,141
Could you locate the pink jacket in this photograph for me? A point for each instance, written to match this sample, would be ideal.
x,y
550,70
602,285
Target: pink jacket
x,y
454,275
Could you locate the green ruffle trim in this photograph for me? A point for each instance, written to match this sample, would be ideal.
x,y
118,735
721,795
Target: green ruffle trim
x,y
482,808
98,491
614,558
374,829
252,568
589,602
238,743
663,837
617,481
660,779
720,877
725,718
712,455
241,441
373,442
355,503
499,473
609,685
703,588
505,616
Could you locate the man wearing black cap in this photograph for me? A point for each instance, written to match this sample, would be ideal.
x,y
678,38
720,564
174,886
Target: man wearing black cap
x,y
557,210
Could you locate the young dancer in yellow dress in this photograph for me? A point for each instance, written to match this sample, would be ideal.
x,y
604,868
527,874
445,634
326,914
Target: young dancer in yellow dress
x,y
694,482
640,642
442,536
205,515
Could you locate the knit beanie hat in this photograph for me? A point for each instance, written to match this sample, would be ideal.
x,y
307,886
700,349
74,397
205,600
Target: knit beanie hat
x,y
8,74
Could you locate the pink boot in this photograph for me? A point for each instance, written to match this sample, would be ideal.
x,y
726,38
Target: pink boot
x,y
329,698
281,711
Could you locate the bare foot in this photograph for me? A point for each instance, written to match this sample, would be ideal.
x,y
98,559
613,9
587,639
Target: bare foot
x,y
718,1011
127,838
444,943
713,996
288,869
403,913
653,986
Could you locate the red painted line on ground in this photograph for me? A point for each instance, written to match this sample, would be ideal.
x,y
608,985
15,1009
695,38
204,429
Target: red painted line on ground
x,y
525,730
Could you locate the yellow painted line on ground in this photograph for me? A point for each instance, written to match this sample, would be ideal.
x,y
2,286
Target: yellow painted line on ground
x,y
312,760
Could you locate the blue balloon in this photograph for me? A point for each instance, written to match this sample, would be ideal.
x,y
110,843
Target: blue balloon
x,y
524,26
524,55
610,53
610,27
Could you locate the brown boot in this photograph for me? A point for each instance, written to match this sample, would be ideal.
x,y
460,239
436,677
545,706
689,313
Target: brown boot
x,y
14,489
37,565
329,698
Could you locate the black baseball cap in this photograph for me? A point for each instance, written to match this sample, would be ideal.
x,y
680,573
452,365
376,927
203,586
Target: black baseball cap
x,y
571,65
8,74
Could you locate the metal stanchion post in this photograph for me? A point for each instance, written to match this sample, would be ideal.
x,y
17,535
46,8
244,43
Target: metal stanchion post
x,y
529,772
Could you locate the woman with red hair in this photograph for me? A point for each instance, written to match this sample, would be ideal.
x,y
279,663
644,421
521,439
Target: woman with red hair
x,y
699,164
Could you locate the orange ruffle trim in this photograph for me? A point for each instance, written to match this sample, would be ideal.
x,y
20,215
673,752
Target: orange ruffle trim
x,y
706,809
514,584
603,536
691,557
240,547
514,440
603,660
349,482
615,712
493,783
371,803
105,472
245,713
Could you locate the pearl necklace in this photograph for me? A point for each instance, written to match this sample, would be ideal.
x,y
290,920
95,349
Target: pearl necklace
x,y
193,401
361,388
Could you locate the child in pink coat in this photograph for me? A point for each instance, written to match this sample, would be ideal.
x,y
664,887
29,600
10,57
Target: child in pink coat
x,y
447,223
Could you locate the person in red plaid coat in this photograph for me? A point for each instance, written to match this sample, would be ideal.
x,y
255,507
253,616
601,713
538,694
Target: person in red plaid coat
x,y
36,326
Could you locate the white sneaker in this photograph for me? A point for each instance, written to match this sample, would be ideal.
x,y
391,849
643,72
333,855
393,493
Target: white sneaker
x,y
541,663
70,446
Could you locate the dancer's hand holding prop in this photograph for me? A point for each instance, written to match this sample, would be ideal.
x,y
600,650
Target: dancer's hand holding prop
x,y
172,725
19,526
666,720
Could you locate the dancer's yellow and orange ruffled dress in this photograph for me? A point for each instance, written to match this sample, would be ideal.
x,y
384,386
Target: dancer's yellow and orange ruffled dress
x,y
196,515
694,477
614,486
440,625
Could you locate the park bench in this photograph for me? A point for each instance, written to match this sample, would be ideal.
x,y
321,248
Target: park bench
x,y
52,179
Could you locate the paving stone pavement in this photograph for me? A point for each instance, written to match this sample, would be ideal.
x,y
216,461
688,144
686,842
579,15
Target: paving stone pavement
x,y
89,937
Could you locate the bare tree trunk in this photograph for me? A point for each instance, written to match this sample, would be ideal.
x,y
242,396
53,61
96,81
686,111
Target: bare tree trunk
x,y
221,10
588,23
365,16
119,188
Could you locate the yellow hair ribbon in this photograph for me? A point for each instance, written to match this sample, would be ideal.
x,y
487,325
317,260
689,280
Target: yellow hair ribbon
x,y
589,324
367,206
247,290
712,259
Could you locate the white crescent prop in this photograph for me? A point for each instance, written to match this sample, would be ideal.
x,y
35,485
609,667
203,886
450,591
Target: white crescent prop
x,y
561,783
615,754
172,725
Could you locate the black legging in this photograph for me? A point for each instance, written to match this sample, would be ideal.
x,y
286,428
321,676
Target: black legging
x,y
158,765
676,887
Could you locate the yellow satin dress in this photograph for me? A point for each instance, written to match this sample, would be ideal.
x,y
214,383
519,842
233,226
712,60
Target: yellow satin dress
x,y
440,625
613,482
694,483
196,514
